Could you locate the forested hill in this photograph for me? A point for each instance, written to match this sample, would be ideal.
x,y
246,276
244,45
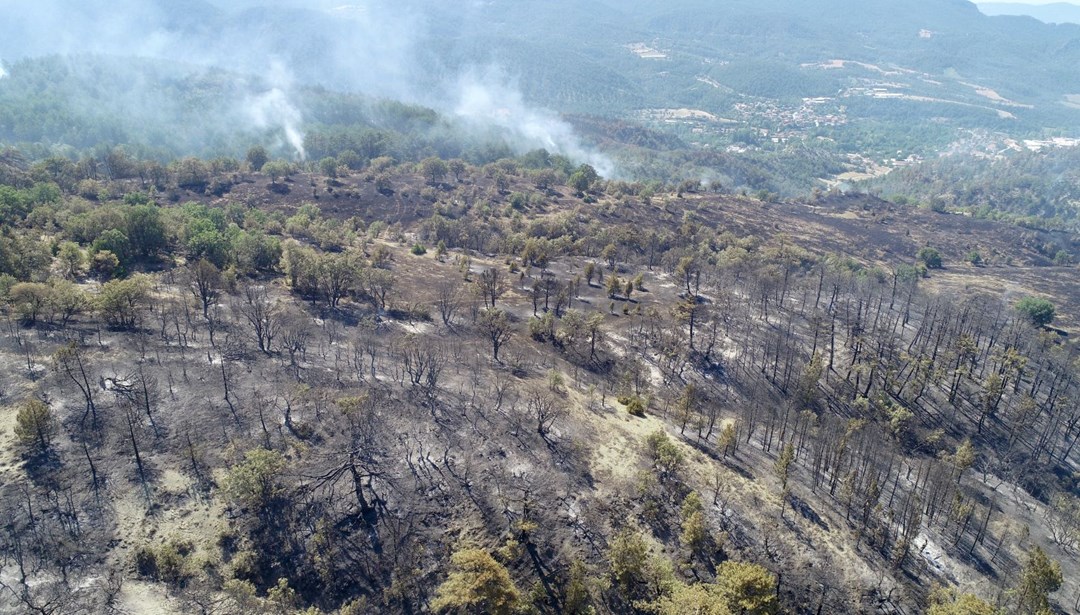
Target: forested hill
x,y
758,96
614,57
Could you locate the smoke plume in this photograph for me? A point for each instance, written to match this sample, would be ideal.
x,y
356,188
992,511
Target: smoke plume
x,y
273,109
377,48
489,98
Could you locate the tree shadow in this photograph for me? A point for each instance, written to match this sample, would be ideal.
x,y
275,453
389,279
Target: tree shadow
x,y
806,512
42,467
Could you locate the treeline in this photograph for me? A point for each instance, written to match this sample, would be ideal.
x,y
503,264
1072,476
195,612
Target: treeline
x,y
79,107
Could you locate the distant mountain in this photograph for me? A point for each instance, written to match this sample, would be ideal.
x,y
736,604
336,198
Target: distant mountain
x,y
877,76
1058,12
591,56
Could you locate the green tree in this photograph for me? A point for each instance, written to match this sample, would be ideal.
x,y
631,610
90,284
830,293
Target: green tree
x,y
929,257
457,167
66,300
257,157
609,255
433,169
583,178
728,440
948,602
739,589
210,244
963,458
328,166
666,456
350,160
35,426
612,286
747,588
255,481
590,271
115,241
145,231
275,169
1040,577
782,467
628,555
1038,311
120,301
477,584
695,530
577,591
256,251
29,300
105,264
282,598
72,258
191,174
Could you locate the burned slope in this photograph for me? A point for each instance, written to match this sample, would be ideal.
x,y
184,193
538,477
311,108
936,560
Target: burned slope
x,y
421,377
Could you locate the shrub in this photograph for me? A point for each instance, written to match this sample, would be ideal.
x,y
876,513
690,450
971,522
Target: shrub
x,y
1039,311
166,563
929,257
634,404
35,426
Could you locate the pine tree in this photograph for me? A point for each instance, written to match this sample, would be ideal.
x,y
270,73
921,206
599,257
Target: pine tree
x,y
477,584
1040,577
35,426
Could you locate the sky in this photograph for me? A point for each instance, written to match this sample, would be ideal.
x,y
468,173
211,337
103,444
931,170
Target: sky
x,y
1024,2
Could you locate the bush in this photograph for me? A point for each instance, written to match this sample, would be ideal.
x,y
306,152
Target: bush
x,y
166,563
634,404
666,456
929,257
257,157
121,301
105,264
418,249
1039,311
35,426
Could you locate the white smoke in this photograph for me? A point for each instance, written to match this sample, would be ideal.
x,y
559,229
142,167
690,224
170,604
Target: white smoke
x,y
273,109
489,100
3,73
377,47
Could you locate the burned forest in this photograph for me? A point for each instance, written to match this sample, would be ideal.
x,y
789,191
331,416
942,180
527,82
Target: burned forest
x,y
445,387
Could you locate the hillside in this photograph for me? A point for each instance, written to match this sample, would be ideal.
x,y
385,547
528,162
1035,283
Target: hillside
x,y
366,390
512,307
